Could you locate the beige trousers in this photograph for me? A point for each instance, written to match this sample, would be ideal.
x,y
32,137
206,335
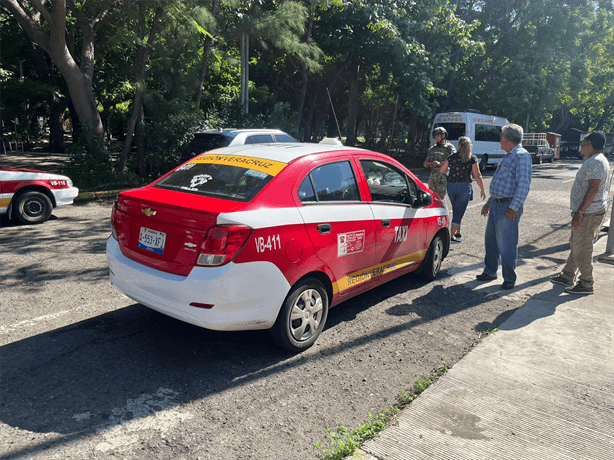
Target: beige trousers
x,y
581,243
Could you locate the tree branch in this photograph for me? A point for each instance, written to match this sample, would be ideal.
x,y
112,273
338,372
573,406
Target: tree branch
x,y
30,24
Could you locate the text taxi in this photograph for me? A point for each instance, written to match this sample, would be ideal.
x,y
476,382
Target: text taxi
x,y
30,195
270,236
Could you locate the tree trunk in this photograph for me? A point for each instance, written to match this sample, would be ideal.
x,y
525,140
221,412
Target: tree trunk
x,y
206,53
56,127
353,103
310,121
78,78
304,70
140,143
142,57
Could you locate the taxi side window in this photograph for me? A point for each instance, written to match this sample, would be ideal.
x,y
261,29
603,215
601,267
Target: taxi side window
x,y
305,191
330,182
388,184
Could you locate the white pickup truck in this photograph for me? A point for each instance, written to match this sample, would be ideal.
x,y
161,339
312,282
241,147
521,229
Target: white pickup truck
x,y
538,146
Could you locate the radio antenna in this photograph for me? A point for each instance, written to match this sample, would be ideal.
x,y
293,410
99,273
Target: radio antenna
x,y
334,115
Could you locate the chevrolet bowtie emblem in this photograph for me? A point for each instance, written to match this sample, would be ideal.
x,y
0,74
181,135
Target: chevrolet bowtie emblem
x,y
149,212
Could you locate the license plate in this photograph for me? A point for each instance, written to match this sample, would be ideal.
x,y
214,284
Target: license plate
x,y
152,240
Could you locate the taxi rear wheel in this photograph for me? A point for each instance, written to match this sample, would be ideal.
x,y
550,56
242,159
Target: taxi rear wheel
x,y
33,207
302,316
434,258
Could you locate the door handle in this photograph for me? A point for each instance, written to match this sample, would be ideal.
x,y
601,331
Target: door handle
x,y
386,223
324,229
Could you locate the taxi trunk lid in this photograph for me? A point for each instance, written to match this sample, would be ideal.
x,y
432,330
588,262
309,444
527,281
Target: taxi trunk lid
x,y
164,229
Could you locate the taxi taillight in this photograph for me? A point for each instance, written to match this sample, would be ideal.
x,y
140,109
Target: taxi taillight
x,y
223,242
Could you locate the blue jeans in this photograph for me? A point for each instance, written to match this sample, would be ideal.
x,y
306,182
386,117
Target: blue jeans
x,y
459,194
501,242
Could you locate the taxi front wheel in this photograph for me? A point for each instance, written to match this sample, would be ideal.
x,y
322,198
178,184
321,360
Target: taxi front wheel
x,y
302,316
434,257
32,207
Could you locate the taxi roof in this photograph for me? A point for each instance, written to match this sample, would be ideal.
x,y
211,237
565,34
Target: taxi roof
x,y
284,153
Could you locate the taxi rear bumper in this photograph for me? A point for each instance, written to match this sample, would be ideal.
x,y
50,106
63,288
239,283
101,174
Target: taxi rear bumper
x,y
244,296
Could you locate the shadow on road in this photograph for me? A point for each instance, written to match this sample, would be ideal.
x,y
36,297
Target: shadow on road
x,y
72,380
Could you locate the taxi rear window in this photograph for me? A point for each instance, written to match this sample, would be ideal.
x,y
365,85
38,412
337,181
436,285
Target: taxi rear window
x,y
222,176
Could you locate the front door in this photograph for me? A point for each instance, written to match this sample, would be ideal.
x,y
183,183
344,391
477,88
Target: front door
x,y
400,232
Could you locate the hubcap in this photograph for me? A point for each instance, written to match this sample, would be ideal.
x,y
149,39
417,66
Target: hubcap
x,y
437,256
33,207
306,314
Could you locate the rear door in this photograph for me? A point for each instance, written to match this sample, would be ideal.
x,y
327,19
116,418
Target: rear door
x,y
339,224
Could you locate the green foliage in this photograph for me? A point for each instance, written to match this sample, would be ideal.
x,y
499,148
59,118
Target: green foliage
x,y
406,60
166,138
487,332
538,58
92,163
344,442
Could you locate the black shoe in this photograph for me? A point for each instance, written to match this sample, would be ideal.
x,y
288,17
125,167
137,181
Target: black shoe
x,y
507,285
485,277
579,289
458,237
560,279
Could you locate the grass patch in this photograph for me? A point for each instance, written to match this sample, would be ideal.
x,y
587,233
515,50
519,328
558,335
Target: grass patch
x,y
487,332
344,442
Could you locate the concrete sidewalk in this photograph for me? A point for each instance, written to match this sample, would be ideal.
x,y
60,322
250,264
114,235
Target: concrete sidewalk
x,y
542,387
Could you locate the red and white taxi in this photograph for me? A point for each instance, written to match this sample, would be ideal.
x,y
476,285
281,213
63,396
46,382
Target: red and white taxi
x,y
30,195
271,236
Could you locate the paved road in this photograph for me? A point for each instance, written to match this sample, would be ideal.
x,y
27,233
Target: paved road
x,y
88,373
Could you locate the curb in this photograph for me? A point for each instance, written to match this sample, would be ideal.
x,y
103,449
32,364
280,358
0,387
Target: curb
x,y
89,196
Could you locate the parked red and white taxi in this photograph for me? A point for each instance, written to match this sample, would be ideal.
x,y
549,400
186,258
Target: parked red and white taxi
x,y
30,195
271,236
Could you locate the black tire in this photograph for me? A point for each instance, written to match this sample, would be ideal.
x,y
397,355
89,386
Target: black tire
x,y
32,207
434,257
308,301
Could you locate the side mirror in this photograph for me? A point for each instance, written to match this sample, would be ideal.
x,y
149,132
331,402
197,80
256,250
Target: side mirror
x,y
424,199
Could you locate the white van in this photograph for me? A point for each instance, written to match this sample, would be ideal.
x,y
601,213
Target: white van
x,y
483,130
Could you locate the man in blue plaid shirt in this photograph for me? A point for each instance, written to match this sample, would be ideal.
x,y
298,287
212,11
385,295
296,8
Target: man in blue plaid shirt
x,y
508,189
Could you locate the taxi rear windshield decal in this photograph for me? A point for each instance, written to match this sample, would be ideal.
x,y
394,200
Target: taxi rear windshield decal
x,y
221,176
270,167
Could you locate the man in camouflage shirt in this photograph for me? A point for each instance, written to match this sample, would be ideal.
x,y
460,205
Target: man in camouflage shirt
x,y
435,157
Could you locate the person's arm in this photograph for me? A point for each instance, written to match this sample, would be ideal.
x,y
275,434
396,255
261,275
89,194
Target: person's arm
x,y
593,188
477,175
444,167
428,161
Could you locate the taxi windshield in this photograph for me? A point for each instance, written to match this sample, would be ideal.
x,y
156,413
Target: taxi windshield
x,y
216,180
